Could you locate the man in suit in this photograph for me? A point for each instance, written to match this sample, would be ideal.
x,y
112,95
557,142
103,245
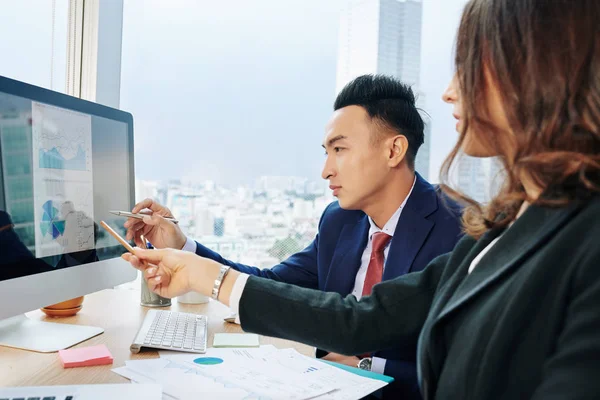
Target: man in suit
x,y
388,220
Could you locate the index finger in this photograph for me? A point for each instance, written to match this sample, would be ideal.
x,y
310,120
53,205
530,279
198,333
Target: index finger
x,y
153,256
135,261
146,203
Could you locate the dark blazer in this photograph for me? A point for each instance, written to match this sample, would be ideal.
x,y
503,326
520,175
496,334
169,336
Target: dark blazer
x,y
525,324
427,228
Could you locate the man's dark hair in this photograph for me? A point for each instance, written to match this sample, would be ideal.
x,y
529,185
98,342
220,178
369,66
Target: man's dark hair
x,y
388,102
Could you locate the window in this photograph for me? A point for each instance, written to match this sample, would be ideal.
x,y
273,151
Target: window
x,y
230,101
34,42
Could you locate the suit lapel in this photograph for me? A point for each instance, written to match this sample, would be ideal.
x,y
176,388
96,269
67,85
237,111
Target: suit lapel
x,y
461,271
412,229
346,259
527,234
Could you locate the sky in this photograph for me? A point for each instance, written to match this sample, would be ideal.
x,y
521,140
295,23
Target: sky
x,y
228,90
27,49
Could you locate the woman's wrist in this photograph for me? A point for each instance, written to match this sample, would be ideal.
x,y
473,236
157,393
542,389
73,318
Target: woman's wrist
x,y
203,276
227,286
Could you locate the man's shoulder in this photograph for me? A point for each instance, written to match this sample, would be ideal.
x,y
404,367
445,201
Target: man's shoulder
x,y
447,204
430,200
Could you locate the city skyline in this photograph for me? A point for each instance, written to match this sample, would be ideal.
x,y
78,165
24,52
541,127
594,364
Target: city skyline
x,y
259,225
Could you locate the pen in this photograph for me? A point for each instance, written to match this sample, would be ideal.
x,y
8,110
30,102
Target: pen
x,y
139,216
118,237
121,240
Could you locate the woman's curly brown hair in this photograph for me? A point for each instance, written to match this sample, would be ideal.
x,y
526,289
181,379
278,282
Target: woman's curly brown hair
x,y
544,57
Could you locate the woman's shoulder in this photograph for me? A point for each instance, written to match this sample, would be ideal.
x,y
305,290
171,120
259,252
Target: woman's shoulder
x,y
588,217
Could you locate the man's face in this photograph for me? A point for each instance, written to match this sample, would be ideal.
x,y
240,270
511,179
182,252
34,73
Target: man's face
x,y
356,165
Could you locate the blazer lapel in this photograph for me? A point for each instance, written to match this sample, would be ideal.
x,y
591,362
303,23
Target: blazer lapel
x,y
346,259
412,229
527,234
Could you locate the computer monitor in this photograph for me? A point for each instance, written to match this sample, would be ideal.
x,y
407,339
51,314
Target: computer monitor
x,y
64,163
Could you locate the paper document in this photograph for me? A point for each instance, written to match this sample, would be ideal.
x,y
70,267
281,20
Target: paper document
x,y
136,378
350,386
290,362
232,377
264,372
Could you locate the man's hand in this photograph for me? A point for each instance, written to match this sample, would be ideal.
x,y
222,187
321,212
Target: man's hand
x,y
159,231
351,361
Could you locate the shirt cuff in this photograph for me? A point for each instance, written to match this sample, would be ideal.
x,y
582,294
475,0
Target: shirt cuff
x,y
377,365
236,294
190,245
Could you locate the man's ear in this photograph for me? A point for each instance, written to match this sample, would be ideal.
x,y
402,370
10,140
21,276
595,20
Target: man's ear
x,y
398,149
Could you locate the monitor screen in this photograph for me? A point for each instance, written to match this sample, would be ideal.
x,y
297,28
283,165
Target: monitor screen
x,y
64,163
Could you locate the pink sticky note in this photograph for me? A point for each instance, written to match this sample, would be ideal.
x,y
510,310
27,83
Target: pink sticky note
x,y
85,356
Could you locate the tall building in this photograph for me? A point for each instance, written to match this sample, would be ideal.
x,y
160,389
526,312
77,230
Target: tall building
x,y
380,36
383,37
219,227
479,178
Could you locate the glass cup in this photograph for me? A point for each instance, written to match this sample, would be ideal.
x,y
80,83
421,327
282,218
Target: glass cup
x,y
148,298
151,299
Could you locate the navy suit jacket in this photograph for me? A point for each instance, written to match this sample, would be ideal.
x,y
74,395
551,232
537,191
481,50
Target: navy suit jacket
x,y
428,226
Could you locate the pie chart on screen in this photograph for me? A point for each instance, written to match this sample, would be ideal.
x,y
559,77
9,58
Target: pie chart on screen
x,y
51,223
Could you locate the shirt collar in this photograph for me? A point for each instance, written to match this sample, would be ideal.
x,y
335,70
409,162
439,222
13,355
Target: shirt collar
x,y
390,226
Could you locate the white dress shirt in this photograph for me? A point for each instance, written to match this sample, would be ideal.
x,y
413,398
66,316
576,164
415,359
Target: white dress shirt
x,y
190,245
482,253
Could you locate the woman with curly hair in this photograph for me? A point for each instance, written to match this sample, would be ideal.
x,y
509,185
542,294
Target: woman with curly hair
x,y
513,311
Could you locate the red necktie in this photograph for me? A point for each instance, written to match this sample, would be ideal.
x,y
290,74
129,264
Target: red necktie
x,y
375,269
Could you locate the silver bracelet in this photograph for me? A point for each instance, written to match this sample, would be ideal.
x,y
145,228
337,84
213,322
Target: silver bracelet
x,y
217,286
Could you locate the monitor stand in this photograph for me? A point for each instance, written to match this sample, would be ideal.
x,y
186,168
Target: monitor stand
x,y
44,337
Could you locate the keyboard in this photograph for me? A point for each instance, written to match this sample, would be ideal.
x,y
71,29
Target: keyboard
x,y
171,330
